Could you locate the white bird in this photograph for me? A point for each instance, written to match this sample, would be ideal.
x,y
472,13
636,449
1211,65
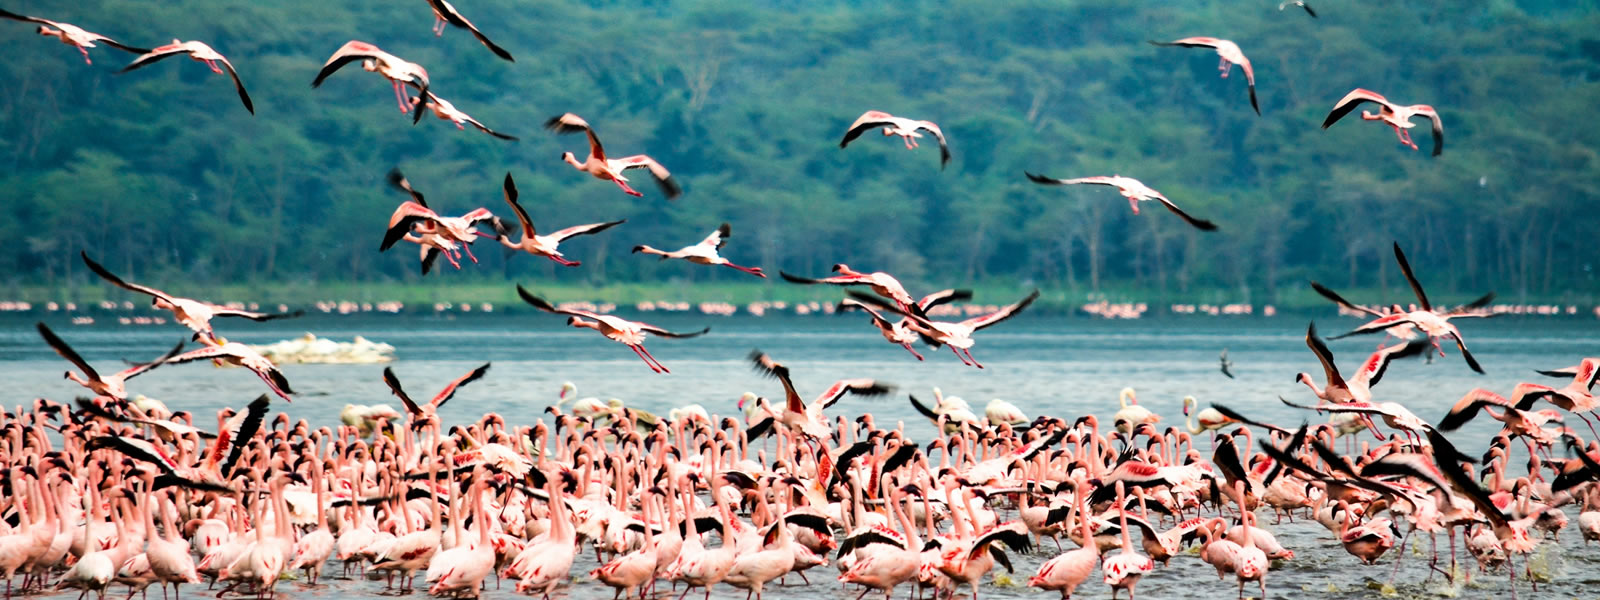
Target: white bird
x,y
1132,415
999,411
1130,188
909,129
703,253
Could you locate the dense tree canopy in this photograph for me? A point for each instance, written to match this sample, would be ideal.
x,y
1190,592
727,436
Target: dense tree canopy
x,y
163,174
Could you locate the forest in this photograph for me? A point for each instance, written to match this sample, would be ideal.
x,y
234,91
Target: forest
x,y
162,174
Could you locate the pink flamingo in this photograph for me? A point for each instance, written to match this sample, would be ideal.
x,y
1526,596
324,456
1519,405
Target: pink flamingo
x,y
629,333
445,14
703,253
72,35
1394,115
399,72
1231,55
198,51
1132,189
597,165
909,129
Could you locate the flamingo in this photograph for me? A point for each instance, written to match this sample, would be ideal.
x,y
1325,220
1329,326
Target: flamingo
x,y
426,415
808,418
605,169
1431,322
1068,570
1132,189
1124,569
312,550
1299,3
634,569
1231,55
542,245
909,129
445,14
881,283
198,51
399,72
111,386
461,569
416,216
1001,412
1394,414
72,35
956,335
1250,564
1131,414
549,559
1210,419
234,353
703,253
897,332
1394,115
194,314
448,112
1359,387
623,331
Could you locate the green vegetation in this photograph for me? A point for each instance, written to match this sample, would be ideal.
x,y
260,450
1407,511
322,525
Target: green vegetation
x,y
162,175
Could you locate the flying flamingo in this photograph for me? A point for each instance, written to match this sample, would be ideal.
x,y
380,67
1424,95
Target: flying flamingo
x,y
445,14
909,129
1430,321
110,386
1130,188
617,329
610,169
1359,387
399,72
542,245
425,415
197,51
1231,55
72,35
1395,115
415,221
808,418
703,253
194,314
223,351
896,331
446,111
956,335
882,284
1299,3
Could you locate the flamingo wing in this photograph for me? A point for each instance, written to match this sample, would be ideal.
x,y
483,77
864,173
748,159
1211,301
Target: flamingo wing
x,y
1424,110
454,17
663,177
1191,42
943,297
61,347
938,134
772,368
1377,325
1324,356
718,238
545,305
843,387
449,391
1449,460
1095,180
140,369
235,436
134,448
1372,370
238,85
351,51
877,317
156,55
398,181
117,281
1411,278
980,322
652,329
866,122
591,228
1350,102
1201,224
571,123
511,195
27,19
393,382
256,316
1337,299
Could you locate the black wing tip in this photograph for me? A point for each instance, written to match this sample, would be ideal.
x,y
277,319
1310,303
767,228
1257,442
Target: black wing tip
x,y
1041,179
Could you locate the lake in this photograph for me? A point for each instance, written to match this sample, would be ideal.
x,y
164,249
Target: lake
x,y
1059,366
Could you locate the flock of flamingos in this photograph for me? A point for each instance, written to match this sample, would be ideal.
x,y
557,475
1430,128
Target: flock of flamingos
x,y
119,490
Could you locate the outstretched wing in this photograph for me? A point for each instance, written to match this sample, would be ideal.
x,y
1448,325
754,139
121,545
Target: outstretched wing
x,y
1350,102
449,391
859,387
866,122
981,322
1416,286
1201,224
117,281
394,387
453,17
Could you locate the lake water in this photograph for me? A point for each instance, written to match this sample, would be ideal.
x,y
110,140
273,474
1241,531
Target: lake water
x,y
1057,366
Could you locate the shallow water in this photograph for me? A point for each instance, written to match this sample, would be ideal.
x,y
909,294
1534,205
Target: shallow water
x,y
1063,367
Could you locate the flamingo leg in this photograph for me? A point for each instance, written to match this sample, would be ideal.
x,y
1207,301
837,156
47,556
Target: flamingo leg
x,y
468,248
624,185
214,67
85,53
653,359
957,352
919,357
974,360
1226,68
400,97
562,261
640,352
438,27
